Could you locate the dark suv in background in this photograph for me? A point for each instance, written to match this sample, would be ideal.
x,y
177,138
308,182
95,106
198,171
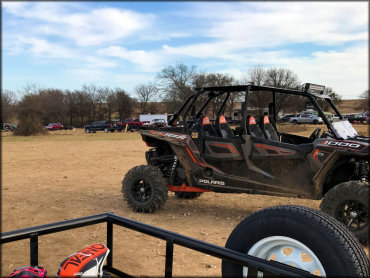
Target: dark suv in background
x,y
99,125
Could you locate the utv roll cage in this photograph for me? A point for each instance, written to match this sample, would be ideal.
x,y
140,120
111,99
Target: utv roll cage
x,y
309,90
254,264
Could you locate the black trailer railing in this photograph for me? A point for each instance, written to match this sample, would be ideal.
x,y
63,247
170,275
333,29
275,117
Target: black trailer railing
x,y
254,264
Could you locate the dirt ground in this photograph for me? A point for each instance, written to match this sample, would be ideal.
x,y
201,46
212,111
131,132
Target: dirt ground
x,y
69,174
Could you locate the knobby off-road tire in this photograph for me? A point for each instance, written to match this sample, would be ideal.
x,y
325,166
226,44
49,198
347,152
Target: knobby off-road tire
x,y
308,233
348,202
144,189
188,195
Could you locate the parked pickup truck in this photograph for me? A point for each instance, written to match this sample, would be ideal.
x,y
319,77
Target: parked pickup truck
x,y
99,125
306,119
133,124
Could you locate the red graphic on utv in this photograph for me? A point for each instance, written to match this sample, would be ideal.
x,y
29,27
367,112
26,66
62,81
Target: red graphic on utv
x,y
171,135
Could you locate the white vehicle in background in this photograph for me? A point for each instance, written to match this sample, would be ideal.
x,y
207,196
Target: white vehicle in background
x,y
150,117
306,119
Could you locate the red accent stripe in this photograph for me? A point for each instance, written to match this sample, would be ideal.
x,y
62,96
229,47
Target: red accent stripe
x,y
224,145
314,155
185,188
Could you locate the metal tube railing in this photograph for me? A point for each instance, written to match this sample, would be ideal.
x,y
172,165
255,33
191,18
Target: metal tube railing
x,y
254,264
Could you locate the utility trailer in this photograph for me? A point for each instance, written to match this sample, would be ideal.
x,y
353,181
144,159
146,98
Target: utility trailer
x,y
171,238
231,260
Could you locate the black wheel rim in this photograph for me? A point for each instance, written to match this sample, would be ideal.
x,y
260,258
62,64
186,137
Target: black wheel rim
x,y
141,191
353,214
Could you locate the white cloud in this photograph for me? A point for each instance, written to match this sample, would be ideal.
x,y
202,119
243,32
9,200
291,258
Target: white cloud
x,y
204,50
130,80
87,75
19,44
271,24
147,61
345,71
97,62
223,37
90,27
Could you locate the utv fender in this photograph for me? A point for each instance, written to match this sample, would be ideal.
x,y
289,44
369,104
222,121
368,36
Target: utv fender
x,y
170,137
319,178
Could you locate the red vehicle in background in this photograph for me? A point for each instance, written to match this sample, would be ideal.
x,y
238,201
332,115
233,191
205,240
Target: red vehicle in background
x,y
54,126
133,124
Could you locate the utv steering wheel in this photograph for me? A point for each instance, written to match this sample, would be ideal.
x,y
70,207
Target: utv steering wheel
x,y
315,134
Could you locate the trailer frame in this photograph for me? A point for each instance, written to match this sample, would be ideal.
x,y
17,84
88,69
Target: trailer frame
x,y
254,264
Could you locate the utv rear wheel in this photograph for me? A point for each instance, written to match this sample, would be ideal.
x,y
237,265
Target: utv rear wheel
x,y
188,195
348,202
144,189
301,237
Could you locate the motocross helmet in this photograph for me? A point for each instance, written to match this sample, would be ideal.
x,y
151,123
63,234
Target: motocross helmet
x,y
29,272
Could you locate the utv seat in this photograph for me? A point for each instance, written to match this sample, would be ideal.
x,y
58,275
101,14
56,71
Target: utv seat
x,y
222,127
208,129
268,129
253,129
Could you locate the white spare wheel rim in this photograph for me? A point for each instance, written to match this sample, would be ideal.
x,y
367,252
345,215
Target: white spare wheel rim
x,y
287,251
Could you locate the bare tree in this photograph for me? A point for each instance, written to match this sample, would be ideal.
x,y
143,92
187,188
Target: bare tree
x,y
333,96
72,109
257,75
154,108
100,101
8,102
31,88
175,82
145,93
111,105
281,78
85,107
258,99
365,95
53,104
124,104
30,112
215,80
92,91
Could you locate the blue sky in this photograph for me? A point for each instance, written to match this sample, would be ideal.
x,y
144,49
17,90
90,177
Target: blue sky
x,y
123,44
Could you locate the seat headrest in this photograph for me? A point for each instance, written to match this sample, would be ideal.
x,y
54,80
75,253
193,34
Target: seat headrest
x,y
266,119
222,120
206,121
252,120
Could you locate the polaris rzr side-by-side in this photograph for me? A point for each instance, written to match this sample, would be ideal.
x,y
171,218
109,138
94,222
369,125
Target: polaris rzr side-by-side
x,y
196,154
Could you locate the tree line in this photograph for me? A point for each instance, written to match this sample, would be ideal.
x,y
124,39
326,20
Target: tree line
x,y
174,84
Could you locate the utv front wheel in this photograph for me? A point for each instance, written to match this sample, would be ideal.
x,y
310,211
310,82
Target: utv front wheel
x,y
188,195
348,202
144,189
301,237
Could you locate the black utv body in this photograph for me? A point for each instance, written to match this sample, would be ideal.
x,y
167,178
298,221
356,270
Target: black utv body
x,y
193,155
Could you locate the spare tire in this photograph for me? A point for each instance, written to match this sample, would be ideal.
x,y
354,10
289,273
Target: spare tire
x,y
301,237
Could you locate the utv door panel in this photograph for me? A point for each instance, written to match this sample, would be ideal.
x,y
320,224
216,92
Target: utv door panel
x,y
286,163
222,149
